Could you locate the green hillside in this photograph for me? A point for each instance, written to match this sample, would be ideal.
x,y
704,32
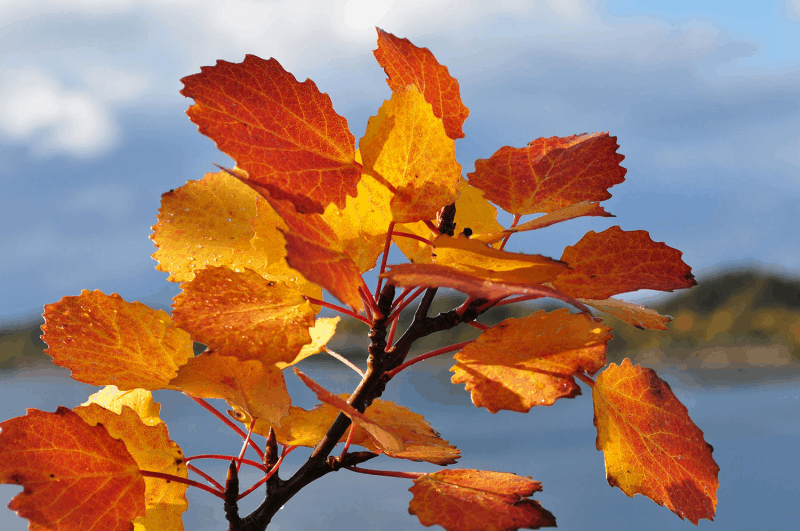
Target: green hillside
x,y
730,310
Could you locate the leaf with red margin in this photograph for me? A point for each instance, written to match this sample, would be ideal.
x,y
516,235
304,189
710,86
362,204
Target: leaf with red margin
x,y
550,173
254,387
283,133
521,363
406,64
651,445
99,487
104,340
154,451
631,313
557,216
314,249
475,283
244,315
478,500
617,261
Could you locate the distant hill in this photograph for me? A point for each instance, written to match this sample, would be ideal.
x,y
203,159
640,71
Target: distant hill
x,y
746,311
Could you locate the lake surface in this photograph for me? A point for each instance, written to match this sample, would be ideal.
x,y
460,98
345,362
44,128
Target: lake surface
x,y
754,428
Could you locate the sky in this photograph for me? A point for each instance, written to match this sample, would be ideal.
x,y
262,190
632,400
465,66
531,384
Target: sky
x,y
702,95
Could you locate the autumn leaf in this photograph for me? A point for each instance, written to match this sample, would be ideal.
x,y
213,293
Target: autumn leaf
x,y
139,400
314,249
478,500
154,451
557,216
634,314
207,222
98,487
302,427
651,445
616,261
550,173
254,387
283,133
473,283
102,339
406,64
406,150
244,315
531,361
323,330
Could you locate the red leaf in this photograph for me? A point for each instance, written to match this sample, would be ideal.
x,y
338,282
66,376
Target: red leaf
x,y
406,64
283,133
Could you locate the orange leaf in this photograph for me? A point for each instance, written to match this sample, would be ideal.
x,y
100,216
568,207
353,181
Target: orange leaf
x,y
521,363
406,151
557,216
154,451
104,339
406,64
473,283
254,387
76,477
385,439
478,500
303,427
421,442
206,222
651,445
314,249
631,313
550,173
616,261
283,133
244,315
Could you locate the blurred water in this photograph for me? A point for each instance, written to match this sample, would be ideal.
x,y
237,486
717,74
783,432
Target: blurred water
x,y
755,430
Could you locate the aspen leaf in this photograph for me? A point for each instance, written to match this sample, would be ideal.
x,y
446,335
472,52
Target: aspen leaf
x,y
614,261
254,387
478,500
651,445
421,442
139,400
302,427
102,339
406,150
550,173
476,283
385,439
406,64
320,333
98,487
283,133
633,314
416,251
152,449
557,216
244,315
521,363
314,249
206,222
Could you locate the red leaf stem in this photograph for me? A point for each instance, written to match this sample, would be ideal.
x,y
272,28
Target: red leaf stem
x,y
431,354
585,379
383,260
178,479
507,236
387,473
244,446
344,360
414,237
226,458
339,309
228,422
405,303
206,477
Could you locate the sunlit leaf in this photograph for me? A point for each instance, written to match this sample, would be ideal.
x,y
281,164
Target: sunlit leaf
x,y
283,133
152,449
531,361
651,445
75,476
406,64
206,222
139,400
104,340
321,333
478,500
615,261
254,387
550,173
406,150
634,314
244,315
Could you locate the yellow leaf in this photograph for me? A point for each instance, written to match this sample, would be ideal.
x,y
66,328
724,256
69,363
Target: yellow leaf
x,y
321,333
139,400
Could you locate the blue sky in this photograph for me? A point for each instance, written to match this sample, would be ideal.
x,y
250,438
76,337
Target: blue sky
x,y
704,98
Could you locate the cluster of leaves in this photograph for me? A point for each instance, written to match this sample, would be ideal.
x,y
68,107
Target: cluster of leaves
x,y
253,248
